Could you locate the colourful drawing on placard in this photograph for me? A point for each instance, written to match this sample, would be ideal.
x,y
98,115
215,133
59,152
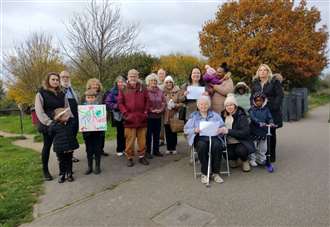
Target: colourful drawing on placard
x,y
92,118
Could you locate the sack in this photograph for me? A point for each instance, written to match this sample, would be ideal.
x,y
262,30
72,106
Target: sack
x,y
176,125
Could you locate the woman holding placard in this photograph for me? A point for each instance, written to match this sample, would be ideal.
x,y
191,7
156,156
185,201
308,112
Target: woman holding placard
x,y
201,142
195,82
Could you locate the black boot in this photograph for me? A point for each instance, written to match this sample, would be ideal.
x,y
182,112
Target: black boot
x,y
97,165
90,166
70,177
61,178
47,176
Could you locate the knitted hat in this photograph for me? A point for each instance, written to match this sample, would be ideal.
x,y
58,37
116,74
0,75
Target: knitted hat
x,y
230,100
169,78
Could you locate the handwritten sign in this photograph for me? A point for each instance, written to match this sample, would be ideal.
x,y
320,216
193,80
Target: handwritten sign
x,y
92,118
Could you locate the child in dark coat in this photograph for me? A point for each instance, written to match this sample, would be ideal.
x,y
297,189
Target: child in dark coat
x,y
260,116
93,140
64,143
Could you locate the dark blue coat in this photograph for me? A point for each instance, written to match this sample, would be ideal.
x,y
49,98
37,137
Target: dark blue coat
x,y
257,116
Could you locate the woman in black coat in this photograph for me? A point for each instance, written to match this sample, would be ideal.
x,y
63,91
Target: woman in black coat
x,y
272,88
237,129
48,98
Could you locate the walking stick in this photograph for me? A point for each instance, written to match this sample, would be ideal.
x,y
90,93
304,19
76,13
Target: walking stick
x,y
209,163
268,163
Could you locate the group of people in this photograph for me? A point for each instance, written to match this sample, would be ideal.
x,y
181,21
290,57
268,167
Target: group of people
x,y
145,110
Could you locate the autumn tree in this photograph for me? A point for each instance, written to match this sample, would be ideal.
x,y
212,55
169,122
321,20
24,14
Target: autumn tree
x,y
26,67
247,33
94,36
179,65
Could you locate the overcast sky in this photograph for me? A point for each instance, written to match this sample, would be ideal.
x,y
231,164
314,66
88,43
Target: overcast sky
x,y
165,26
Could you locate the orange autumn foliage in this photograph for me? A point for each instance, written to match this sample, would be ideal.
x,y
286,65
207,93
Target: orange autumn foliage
x,y
247,33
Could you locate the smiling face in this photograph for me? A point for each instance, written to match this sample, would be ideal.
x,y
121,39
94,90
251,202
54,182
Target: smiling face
x,y
65,79
169,84
161,75
263,73
203,105
195,75
54,81
153,83
230,108
120,84
258,101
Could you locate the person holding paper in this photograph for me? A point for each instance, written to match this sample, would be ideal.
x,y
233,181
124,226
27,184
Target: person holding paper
x,y
237,129
194,81
199,127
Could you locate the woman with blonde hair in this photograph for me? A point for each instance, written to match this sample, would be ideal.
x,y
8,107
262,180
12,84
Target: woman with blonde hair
x,y
271,87
95,85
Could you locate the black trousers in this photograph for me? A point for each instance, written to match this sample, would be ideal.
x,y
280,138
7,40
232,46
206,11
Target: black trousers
x,y
237,151
48,141
153,134
171,138
202,148
65,162
102,141
273,145
120,136
93,144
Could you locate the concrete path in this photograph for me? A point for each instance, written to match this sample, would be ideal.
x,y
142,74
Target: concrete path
x,y
165,194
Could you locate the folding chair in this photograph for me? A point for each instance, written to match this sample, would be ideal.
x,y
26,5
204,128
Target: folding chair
x,y
193,158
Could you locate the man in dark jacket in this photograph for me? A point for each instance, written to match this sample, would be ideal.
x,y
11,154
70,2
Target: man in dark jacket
x,y
133,104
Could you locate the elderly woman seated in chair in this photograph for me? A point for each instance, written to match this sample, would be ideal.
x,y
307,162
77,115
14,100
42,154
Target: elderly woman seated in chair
x,y
201,143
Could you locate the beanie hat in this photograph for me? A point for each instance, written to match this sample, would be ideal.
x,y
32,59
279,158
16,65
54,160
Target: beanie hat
x,y
169,78
230,100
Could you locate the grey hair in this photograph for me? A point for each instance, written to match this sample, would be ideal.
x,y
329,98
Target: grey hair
x,y
152,76
120,78
204,98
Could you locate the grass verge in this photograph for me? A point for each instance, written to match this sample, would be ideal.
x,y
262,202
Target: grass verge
x,y
20,183
318,99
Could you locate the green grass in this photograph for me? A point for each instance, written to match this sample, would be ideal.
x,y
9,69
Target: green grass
x,y
20,183
319,98
11,123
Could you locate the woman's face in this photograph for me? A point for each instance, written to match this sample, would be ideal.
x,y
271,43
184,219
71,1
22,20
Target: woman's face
x,y
195,75
203,106
95,87
153,83
120,84
263,72
220,71
230,108
169,84
54,81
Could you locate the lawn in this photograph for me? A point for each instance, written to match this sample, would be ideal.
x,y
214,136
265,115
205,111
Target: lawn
x,y
319,98
20,183
11,123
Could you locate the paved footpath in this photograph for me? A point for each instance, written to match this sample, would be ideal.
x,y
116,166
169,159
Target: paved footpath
x,y
165,193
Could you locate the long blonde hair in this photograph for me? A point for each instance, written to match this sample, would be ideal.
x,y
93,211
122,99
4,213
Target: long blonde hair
x,y
270,74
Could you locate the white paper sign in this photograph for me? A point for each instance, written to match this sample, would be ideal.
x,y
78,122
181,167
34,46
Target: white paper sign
x,y
194,92
92,118
208,128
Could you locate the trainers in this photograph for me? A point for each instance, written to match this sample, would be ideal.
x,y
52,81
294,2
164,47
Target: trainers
x,y
61,179
253,163
174,152
269,168
204,179
217,178
70,178
167,152
120,154
75,159
130,162
143,161
104,154
246,166
233,164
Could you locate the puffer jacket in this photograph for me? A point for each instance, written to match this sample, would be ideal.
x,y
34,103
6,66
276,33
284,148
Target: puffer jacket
x,y
133,104
156,101
274,92
240,128
64,137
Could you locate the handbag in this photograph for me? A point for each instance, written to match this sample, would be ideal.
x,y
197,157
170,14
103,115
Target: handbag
x,y
176,125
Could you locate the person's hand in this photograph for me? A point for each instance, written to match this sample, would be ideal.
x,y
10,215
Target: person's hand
x,y
216,87
262,124
272,125
197,130
185,93
223,130
205,93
